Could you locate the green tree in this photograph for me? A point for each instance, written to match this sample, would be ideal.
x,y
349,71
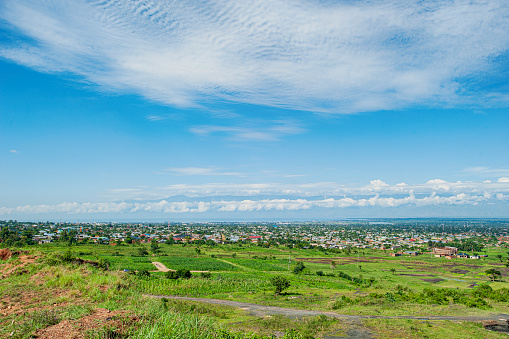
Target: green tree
x,y
142,251
184,273
171,275
64,236
280,283
298,268
143,273
71,237
10,237
154,247
493,273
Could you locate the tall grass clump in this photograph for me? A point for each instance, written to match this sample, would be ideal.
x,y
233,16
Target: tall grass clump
x,y
200,287
162,323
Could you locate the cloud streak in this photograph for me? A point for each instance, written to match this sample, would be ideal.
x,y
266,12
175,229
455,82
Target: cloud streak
x,y
329,189
249,205
207,171
481,170
306,55
253,197
268,131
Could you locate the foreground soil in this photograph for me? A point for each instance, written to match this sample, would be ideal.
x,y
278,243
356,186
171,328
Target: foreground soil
x,y
85,326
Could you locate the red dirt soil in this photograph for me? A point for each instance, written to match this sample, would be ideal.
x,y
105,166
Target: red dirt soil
x,y
78,329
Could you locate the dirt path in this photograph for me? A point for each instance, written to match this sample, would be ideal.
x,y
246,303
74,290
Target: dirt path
x,y
161,267
262,310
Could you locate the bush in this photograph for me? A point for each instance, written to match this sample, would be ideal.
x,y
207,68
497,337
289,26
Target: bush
x,y
390,297
299,267
68,256
142,251
183,273
319,273
280,283
171,275
103,264
206,275
143,273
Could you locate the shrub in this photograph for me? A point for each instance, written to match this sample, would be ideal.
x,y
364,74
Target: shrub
x,y
319,273
206,275
103,264
280,283
299,267
184,273
390,297
142,251
171,275
143,273
68,256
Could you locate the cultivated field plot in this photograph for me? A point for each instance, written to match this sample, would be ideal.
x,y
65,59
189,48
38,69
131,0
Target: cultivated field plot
x,y
124,262
130,263
197,264
259,265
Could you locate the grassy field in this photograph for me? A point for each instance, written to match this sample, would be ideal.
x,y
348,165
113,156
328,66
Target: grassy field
x,y
45,287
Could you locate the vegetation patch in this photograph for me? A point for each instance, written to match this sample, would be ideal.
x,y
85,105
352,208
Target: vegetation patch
x,y
197,264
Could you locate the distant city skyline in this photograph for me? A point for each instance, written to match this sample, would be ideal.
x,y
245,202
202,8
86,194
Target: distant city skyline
x,y
255,110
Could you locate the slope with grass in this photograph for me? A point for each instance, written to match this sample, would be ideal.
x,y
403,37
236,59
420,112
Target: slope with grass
x,y
47,290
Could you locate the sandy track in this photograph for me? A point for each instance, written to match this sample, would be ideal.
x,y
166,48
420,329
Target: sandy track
x,y
262,310
161,267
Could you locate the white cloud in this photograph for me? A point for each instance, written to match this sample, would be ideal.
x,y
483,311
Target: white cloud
x,y
330,189
13,151
164,206
221,197
156,118
184,171
266,131
439,184
503,179
487,171
317,56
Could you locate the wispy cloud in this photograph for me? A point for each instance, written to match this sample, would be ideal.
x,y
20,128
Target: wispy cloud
x,y
249,205
13,151
266,131
208,171
317,56
281,197
487,171
329,189
156,117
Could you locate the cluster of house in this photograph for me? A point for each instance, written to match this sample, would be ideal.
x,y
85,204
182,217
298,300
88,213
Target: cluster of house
x,y
452,253
403,242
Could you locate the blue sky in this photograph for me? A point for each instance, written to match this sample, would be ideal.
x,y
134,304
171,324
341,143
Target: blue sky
x,y
220,110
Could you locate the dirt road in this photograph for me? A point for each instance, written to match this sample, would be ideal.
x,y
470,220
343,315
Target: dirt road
x,y
262,310
160,266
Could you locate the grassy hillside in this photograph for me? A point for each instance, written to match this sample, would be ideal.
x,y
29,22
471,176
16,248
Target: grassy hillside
x,y
46,290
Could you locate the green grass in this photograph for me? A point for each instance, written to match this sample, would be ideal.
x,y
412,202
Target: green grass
x,y
257,264
245,279
197,264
